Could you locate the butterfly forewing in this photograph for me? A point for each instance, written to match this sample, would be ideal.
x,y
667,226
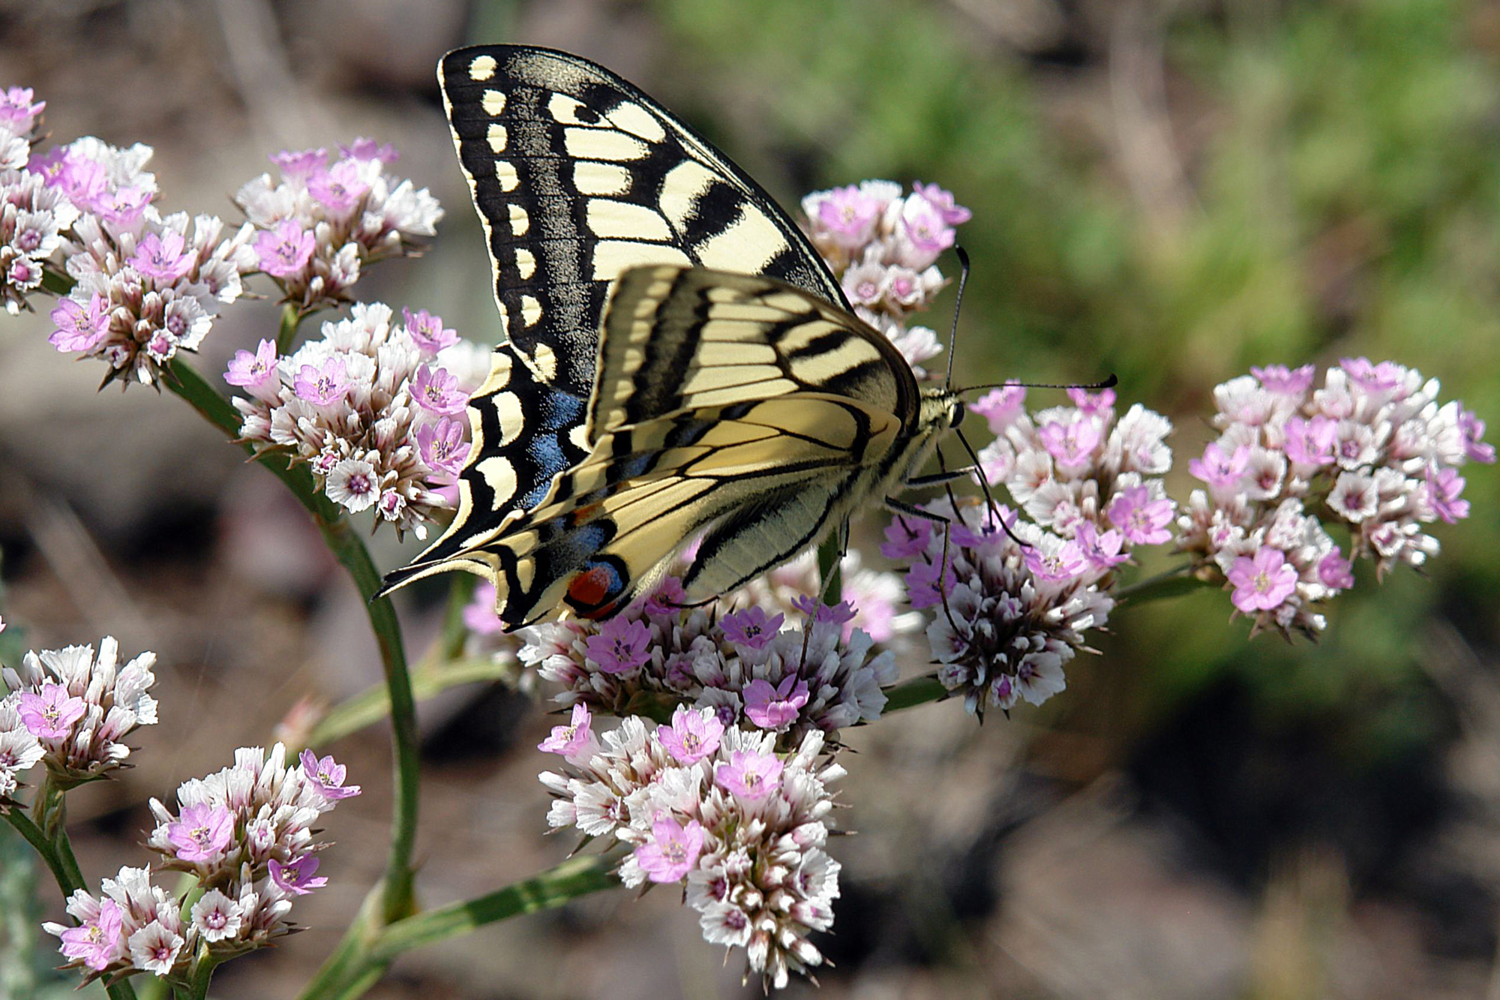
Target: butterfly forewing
x,y
577,177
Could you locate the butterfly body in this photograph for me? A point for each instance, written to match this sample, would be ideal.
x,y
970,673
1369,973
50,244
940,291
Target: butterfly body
x,y
678,363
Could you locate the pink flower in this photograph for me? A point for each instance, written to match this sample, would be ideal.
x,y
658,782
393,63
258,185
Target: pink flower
x,y
17,113
1264,582
327,776
568,740
906,537
1101,551
672,850
1472,429
1373,378
750,775
667,599
849,215
925,230
339,187
427,330
691,736
751,629
838,613
296,877
437,391
161,257
201,832
1065,564
775,707
1143,520
1219,470
300,163
155,947
97,941
1442,492
1071,444
256,373
323,386
443,447
479,614
942,201
923,588
368,149
123,206
1279,379
285,250
80,329
1092,404
1335,571
1311,442
620,646
1000,407
51,714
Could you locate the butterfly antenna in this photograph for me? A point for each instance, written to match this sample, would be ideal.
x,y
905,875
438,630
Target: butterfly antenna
x,y
1108,383
963,280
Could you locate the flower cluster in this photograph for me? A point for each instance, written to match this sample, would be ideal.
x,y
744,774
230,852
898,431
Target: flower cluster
x,y
744,665
716,808
18,121
1372,448
372,407
246,834
324,220
1078,473
882,247
71,710
1006,616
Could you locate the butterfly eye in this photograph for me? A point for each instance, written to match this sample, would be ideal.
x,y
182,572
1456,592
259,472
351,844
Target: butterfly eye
x,y
957,414
597,588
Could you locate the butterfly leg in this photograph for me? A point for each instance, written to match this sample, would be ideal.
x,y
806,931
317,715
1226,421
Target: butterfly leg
x,y
939,478
902,507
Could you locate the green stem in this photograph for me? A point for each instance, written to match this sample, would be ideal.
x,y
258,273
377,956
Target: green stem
x,y
203,971
57,852
1170,583
371,705
913,692
396,887
573,878
291,316
830,568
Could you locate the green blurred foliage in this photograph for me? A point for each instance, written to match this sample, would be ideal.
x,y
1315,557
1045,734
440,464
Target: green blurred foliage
x,y
1337,191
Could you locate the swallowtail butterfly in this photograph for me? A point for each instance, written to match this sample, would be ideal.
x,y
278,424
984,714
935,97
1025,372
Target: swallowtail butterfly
x,y
677,358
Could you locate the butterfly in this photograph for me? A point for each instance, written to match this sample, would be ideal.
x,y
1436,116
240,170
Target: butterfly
x,y
677,358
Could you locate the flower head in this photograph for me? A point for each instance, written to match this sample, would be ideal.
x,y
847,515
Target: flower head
x,y
749,774
620,646
296,877
672,850
201,832
570,739
326,776
1262,582
775,707
693,735
79,327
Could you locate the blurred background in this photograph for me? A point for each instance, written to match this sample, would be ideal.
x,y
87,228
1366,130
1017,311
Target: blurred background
x,y
1173,190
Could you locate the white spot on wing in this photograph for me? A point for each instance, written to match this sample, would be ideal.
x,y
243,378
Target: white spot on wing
x,y
531,310
614,257
638,121
499,475
497,138
525,263
747,246
623,219
482,68
508,411
493,103
519,220
603,144
591,177
505,173
681,189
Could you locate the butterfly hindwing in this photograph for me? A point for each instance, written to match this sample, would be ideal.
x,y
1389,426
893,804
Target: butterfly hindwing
x,y
766,453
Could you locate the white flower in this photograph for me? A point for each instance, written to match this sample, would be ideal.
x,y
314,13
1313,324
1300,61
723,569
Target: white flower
x,y
216,917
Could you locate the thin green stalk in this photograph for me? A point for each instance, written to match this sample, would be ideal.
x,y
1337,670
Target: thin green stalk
x,y
371,705
291,316
913,692
203,971
396,887
1170,583
830,567
57,853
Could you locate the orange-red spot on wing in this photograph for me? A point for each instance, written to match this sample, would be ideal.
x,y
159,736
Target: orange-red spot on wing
x,y
591,586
